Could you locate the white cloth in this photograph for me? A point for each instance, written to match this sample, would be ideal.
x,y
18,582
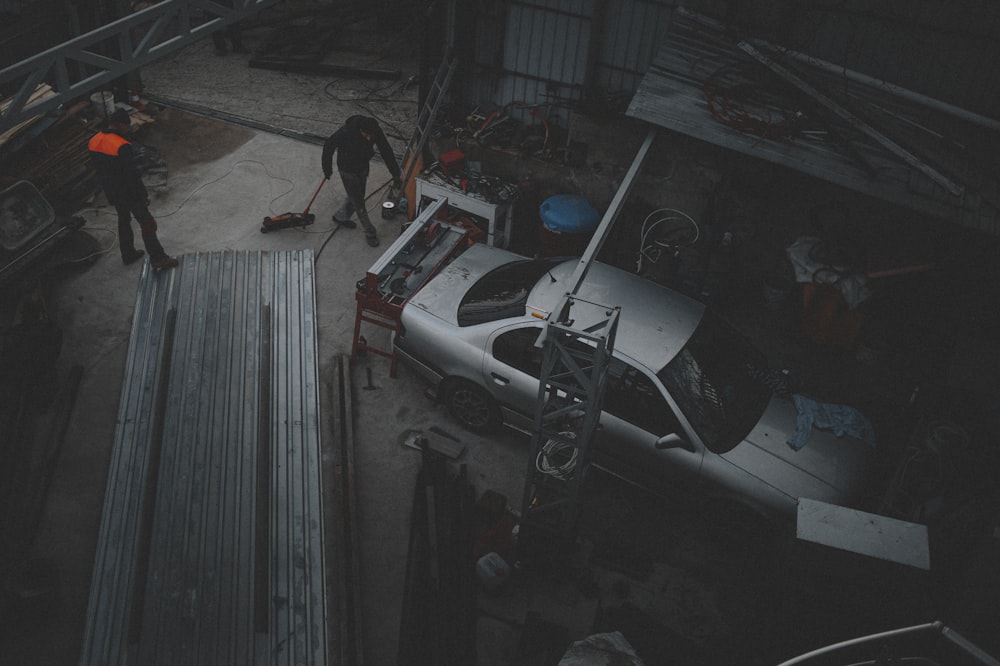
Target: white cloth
x,y
853,285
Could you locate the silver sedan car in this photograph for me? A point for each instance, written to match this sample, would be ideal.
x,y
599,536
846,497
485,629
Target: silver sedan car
x,y
684,403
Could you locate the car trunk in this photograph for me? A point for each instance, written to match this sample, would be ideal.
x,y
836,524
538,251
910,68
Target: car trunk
x,y
828,468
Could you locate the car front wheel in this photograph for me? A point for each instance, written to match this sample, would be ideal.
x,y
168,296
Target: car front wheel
x,y
471,406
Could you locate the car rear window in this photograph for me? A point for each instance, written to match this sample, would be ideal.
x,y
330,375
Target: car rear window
x,y
503,292
715,381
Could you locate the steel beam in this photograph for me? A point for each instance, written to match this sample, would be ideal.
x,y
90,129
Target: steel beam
x,y
111,51
604,228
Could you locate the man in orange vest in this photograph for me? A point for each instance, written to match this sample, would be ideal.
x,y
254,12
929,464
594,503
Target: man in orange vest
x,y
113,159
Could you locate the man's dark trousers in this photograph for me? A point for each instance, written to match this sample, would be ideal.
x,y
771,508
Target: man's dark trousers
x,y
147,225
354,187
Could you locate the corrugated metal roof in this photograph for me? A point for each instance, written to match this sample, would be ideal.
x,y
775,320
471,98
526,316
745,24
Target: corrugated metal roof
x,y
211,542
702,85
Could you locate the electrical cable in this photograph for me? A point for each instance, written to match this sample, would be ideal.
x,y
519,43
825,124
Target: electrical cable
x,y
320,250
546,463
113,232
728,92
211,182
336,227
216,180
110,248
653,251
371,96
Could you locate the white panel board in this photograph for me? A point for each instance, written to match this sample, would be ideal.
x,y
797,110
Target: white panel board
x,y
864,533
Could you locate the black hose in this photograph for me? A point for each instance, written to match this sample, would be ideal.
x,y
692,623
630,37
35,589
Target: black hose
x,y
334,230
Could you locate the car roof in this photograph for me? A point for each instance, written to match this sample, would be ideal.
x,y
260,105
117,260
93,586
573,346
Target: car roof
x,y
655,321
654,324
443,293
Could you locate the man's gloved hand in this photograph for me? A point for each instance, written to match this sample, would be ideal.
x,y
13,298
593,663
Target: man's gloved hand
x,y
327,174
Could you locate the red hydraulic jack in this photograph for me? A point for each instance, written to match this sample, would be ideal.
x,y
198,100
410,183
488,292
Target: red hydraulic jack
x,y
289,220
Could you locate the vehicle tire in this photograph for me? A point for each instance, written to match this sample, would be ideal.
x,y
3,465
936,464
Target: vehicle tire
x,y
471,406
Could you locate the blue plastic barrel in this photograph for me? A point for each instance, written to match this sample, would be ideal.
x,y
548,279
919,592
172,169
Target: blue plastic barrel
x,y
568,221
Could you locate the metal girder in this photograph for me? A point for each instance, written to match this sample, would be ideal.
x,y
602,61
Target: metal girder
x,y
94,59
568,408
575,363
604,227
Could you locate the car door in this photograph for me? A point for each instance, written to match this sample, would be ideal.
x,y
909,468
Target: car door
x,y
635,414
511,368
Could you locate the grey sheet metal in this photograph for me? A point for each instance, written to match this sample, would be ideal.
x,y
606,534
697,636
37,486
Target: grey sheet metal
x,y
210,549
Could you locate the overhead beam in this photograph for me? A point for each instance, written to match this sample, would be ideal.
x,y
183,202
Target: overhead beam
x,y
111,51
603,228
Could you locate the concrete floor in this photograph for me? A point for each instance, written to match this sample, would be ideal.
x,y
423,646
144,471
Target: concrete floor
x,y
223,179
716,598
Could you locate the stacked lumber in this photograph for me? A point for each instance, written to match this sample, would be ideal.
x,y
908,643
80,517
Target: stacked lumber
x,y
56,161
42,91
50,151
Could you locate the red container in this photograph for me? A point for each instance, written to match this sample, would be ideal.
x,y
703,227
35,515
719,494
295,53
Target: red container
x,y
452,162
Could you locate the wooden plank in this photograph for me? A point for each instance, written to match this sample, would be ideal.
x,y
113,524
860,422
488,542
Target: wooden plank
x,y
42,91
450,447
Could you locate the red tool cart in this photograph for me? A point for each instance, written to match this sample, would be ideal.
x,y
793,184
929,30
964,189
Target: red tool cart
x,y
416,256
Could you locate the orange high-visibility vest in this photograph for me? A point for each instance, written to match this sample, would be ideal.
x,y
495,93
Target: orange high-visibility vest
x,y
107,143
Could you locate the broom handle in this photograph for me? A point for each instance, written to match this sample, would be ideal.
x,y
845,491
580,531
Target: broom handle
x,y
315,194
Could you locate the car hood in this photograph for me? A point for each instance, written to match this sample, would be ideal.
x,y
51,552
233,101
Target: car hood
x,y
828,468
443,293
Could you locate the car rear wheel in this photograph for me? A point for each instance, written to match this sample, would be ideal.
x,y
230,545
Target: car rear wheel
x,y
471,406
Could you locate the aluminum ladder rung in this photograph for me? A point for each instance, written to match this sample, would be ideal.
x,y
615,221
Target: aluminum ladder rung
x,y
427,114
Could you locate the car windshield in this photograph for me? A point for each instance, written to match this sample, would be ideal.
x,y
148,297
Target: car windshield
x,y
715,381
502,293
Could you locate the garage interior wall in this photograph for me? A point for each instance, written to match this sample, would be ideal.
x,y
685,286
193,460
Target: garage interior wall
x,y
578,63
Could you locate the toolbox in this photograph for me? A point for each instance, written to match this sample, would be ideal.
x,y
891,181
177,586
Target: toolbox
x,y
452,162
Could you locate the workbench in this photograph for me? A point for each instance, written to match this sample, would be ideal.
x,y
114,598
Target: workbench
x,y
495,219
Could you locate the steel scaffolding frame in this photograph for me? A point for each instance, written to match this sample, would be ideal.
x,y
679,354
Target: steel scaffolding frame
x,y
86,63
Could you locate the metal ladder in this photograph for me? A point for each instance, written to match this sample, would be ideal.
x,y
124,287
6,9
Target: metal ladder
x,y
428,113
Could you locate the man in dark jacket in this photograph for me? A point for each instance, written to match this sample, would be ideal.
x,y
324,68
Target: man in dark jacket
x,y
113,159
355,144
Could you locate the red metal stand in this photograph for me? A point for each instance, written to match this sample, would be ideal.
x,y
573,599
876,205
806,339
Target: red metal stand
x,y
414,258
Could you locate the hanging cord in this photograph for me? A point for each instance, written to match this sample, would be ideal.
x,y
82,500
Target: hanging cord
x,y
673,241
553,460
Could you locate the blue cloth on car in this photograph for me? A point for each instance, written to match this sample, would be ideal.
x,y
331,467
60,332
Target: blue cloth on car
x,y
841,419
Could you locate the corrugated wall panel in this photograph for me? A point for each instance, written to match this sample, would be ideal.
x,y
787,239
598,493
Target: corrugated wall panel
x,y
632,32
544,54
547,42
211,544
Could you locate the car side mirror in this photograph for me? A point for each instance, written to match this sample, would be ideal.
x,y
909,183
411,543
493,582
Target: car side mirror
x,y
674,441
